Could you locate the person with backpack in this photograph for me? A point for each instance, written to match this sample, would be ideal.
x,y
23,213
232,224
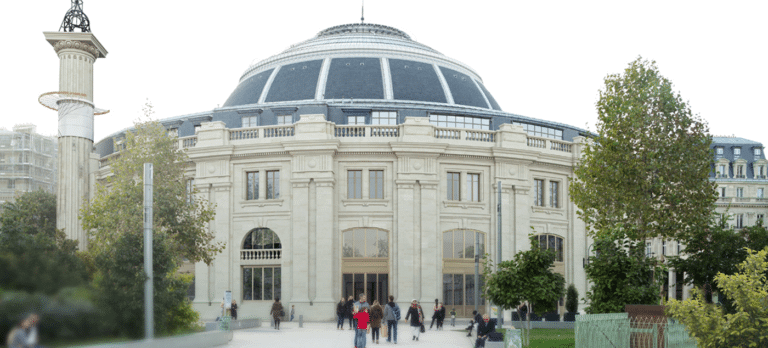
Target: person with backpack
x,y
391,315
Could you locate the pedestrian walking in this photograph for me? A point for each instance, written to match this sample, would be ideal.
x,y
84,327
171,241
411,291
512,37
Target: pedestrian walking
x,y
391,315
453,317
277,312
472,323
416,316
362,318
440,316
293,311
234,309
341,313
377,314
349,311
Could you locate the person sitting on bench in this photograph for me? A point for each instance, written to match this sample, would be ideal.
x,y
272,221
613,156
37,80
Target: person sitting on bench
x,y
484,330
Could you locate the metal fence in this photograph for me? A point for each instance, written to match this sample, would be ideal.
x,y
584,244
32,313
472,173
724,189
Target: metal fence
x,y
619,330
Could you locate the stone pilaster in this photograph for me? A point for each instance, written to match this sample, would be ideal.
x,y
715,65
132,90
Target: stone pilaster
x,y
327,249
672,289
406,266
300,241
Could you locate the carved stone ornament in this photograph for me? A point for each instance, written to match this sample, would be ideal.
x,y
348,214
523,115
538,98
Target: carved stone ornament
x,y
76,45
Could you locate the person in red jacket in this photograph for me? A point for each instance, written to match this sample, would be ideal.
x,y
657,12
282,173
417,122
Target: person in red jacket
x,y
362,318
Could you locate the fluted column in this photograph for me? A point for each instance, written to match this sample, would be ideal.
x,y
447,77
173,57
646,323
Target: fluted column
x,y
77,52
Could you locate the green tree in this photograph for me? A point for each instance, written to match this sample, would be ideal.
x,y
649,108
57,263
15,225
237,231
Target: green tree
x,y
34,255
748,327
647,169
115,221
620,275
714,250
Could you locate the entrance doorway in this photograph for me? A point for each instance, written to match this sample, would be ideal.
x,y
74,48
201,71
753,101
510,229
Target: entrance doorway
x,y
374,285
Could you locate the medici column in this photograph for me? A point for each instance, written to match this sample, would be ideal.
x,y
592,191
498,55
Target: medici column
x,y
77,52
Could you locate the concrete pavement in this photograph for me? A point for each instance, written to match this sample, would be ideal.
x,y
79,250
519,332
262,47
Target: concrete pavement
x,y
325,335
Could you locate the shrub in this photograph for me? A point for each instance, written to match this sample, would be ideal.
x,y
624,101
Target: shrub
x,y
572,299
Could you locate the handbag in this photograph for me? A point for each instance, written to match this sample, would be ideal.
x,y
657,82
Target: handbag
x,y
422,328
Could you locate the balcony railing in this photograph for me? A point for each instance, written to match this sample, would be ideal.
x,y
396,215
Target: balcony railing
x,y
262,254
278,131
354,131
247,133
188,142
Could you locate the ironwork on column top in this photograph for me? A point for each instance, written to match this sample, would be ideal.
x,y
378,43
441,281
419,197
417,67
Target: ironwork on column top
x,y
75,18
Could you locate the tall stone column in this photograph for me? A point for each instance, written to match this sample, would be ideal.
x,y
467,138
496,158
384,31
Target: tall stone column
x,y
77,52
431,265
406,267
300,242
326,250
672,289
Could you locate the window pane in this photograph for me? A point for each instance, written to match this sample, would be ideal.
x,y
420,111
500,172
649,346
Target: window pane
x,y
448,244
253,185
469,244
383,244
458,244
448,289
560,249
248,243
278,282
543,242
482,283
257,284
268,283
372,248
458,287
482,243
348,286
470,286
552,243
359,242
348,249
247,284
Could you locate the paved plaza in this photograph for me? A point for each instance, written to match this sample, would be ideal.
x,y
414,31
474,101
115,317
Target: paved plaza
x,y
325,335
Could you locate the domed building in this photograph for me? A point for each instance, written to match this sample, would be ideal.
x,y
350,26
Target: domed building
x,y
362,161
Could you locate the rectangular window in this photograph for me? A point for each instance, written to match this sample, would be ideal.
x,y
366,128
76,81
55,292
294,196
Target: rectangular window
x,y
541,131
760,192
261,283
739,192
11,183
249,121
460,122
722,192
678,248
473,186
355,184
739,220
273,184
721,170
719,150
760,217
553,194
190,190
664,247
355,119
173,132
453,186
376,184
197,128
737,151
740,172
647,248
284,119
388,118
252,185
760,172
758,152
538,190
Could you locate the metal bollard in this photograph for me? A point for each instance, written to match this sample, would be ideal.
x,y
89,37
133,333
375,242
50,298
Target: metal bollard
x,y
301,320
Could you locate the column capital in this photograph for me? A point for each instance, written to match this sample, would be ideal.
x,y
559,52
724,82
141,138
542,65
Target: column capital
x,y
85,42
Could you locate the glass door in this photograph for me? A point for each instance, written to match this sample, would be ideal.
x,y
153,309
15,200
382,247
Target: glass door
x,y
374,285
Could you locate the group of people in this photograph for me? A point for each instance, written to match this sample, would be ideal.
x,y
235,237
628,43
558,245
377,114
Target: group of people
x,y
484,326
24,335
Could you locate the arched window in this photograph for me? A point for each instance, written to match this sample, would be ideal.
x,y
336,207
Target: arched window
x,y
460,244
547,241
261,244
365,242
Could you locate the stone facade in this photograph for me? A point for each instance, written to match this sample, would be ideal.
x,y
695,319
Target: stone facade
x,y
314,207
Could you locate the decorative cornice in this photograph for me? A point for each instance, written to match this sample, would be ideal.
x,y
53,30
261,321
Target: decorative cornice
x,y
250,111
365,202
548,211
76,45
262,203
464,205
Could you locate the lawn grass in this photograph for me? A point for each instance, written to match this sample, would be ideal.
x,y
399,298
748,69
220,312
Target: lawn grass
x,y
551,338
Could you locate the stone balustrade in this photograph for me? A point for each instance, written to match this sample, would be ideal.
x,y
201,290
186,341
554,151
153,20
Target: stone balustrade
x,y
261,254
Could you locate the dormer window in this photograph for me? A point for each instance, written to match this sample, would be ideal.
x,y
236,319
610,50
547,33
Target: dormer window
x,y
721,171
758,152
719,150
740,172
737,151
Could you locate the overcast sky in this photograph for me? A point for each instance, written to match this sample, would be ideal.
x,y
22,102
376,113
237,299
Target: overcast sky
x,y
542,59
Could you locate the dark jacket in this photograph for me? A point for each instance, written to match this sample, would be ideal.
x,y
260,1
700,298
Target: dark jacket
x,y
348,308
377,313
413,314
486,328
277,307
441,314
341,308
